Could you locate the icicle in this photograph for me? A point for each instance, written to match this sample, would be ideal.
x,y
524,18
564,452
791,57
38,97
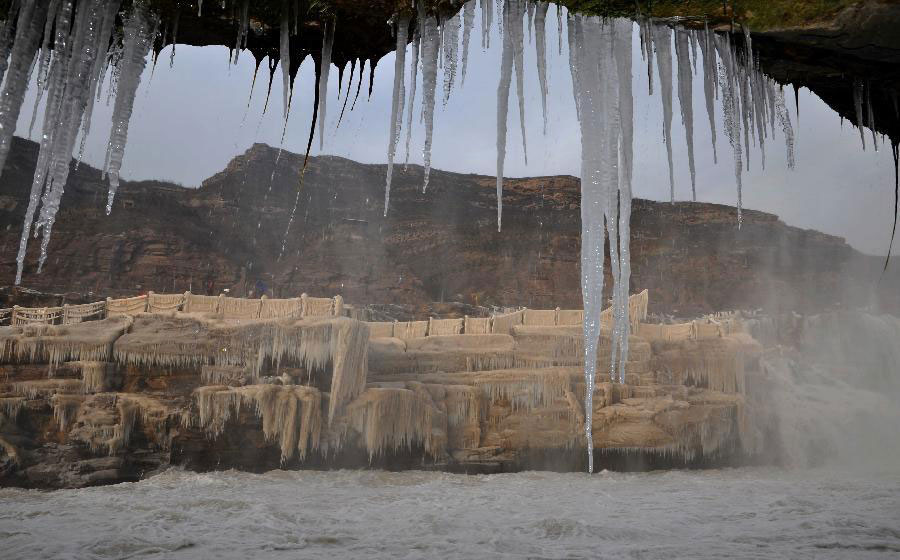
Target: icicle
x,y
81,76
325,67
414,72
512,41
468,22
430,53
518,41
663,41
6,36
870,116
596,90
559,28
784,119
686,101
29,26
136,45
285,56
622,50
450,47
243,30
56,81
396,105
199,8
174,35
487,17
730,111
540,44
529,12
709,84
109,22
647,42
43,60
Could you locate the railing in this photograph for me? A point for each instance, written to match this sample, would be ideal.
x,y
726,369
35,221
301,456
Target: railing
x,y
505,323
221,306
693,330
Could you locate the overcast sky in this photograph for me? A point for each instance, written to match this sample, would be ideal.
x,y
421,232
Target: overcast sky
x,y
189,122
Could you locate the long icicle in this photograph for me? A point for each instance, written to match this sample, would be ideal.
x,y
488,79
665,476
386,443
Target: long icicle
x,y
663,40
594,80
512,13
686,101
626,170
396,105
324,69
137,43
540,45
468,23
707,51
430,52
29,26
414,76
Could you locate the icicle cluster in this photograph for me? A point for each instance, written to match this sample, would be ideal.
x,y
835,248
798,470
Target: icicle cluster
x,y
602,101
513,38
396,105
137,41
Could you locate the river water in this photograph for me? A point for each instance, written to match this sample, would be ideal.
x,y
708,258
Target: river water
x,y
742,513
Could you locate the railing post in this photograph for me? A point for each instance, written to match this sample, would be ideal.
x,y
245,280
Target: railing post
x,y
556,317
65,314
303,309
184,304
149,308
14,318
430,326
108,300
220,304
338,306
262,298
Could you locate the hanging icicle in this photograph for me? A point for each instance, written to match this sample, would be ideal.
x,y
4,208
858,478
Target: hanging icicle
x,y
430,52
324,69
450,48
396,104
540,45
136,44
710,79
512,51
662,39
468,22
686,101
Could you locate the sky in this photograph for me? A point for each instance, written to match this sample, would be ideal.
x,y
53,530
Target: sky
x,y
191,118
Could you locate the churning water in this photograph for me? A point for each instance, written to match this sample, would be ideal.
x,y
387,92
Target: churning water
x,y
737,513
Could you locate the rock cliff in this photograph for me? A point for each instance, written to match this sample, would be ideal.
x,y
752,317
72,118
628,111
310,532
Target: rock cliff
x,y
440,246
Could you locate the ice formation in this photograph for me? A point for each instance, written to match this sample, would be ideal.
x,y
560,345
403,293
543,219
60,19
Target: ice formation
x,y
662,40
710,83
540,45
414,73
324,69
487,21
468,22
511,57
29,26
284,52
685,100
137,43
396,105
730,109
595,78
450,48
430,52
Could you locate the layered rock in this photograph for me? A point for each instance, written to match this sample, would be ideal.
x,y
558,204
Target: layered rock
x,y
171,239
205,392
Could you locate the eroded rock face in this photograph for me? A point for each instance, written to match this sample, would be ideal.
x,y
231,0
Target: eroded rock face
x,y
439,246
206,393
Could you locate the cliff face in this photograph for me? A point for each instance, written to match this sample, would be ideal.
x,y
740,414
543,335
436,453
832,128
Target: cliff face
x,y
438,246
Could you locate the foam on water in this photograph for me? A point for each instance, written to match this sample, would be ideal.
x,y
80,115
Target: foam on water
x,y
746,512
